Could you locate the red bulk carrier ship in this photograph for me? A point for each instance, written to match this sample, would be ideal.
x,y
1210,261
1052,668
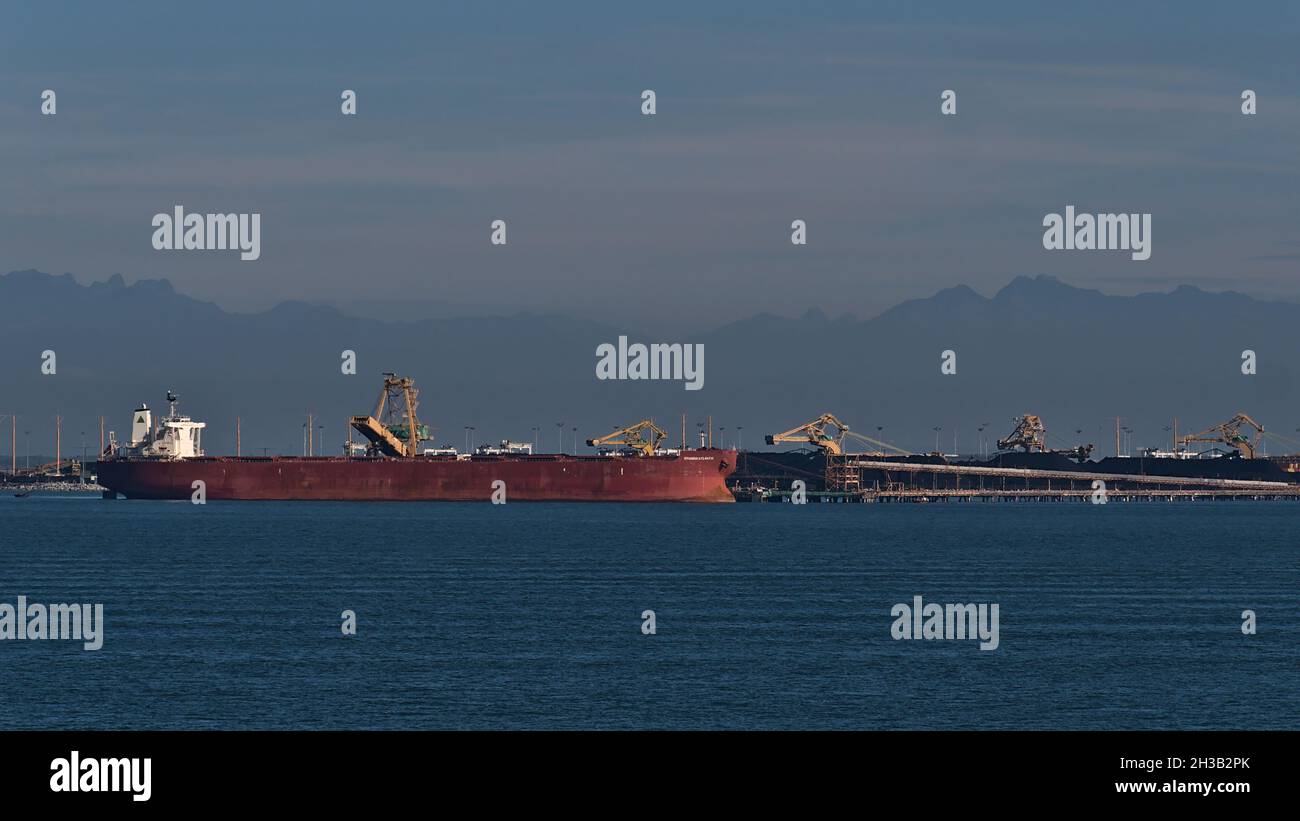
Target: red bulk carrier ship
x,y
166,461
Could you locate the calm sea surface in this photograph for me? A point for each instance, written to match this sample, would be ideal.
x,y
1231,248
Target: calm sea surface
x,y
768,616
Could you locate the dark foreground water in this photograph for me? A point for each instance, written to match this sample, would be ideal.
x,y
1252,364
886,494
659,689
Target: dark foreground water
x,y
768,616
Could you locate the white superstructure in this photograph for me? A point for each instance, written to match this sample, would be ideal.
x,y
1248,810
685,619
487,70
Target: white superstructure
x,y
173,437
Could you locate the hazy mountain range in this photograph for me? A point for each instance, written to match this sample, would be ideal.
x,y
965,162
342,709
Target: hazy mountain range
x,y
1076,357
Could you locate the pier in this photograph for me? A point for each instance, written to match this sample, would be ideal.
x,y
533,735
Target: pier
x,y
853,479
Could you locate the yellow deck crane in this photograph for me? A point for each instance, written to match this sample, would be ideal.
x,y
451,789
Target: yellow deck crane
x,y
644,437
1229,433
815,433
400,432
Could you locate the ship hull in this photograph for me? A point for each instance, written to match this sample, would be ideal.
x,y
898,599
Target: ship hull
x,y
693,476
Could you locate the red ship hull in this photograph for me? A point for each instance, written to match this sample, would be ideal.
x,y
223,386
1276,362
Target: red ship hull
x,y
693,476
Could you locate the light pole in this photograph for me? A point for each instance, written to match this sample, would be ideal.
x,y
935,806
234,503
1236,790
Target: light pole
x,y
13,442
27,437
740,436
722,439
304,438
560,429
321,428
81,469
575,440
937,428
981,430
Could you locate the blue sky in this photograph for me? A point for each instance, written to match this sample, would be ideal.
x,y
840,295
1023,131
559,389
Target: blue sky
x,y
827,112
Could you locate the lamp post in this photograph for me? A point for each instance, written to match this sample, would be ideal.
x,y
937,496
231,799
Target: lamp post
x,y
13,442
740,434
560,431
937,428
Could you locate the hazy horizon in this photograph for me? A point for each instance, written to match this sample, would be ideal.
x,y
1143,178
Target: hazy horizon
x,y
765,114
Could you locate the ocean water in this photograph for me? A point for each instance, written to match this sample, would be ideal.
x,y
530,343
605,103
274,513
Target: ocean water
x,y
227,615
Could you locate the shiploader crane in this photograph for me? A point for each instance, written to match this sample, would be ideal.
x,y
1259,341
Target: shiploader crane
x,y
816,433
1031,434
1229,433
644,437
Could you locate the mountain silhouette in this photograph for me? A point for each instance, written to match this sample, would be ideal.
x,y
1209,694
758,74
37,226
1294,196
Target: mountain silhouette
x,y
1077,357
